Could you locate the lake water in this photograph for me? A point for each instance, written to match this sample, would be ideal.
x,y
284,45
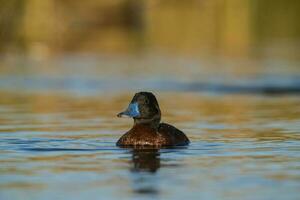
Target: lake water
x,y
58,134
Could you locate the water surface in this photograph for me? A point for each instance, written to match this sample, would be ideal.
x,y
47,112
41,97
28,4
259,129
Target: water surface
x,y
62,146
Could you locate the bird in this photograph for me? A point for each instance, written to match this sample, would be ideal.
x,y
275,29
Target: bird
x,y
147,129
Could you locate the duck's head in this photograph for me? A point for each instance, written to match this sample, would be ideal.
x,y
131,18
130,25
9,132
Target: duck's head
x,y
143,108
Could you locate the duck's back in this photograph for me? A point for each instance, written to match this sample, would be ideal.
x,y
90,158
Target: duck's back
x,y
176,136
142,135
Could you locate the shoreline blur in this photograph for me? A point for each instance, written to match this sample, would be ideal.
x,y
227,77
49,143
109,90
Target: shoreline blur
x,y
197,28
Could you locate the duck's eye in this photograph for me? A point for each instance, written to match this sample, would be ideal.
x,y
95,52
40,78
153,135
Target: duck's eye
x,y
143,100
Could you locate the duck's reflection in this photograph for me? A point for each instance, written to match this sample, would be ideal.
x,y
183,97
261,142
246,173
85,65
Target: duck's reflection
x,y
144,165
145,160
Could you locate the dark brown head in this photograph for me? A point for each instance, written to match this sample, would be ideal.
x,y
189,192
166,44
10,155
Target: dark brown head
x,y
144,109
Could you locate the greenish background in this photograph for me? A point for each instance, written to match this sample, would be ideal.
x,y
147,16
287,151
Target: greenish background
x,y
235,28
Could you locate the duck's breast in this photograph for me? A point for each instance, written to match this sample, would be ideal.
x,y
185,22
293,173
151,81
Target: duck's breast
x,y
141,136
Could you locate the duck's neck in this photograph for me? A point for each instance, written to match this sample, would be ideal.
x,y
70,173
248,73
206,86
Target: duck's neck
x,y
150,122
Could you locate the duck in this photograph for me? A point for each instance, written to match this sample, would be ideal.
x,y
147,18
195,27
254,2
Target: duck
x,y
147,128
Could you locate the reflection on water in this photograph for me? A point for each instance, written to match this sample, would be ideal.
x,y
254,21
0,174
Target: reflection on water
x,y
145,160
60,146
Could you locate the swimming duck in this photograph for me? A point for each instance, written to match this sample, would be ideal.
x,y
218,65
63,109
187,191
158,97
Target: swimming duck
x,y
147,129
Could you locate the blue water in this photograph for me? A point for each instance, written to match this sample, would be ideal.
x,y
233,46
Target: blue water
x,y
58,135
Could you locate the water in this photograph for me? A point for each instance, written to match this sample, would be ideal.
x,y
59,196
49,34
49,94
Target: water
x,y
58,136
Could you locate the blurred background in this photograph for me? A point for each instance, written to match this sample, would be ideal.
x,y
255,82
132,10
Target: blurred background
x,y
150,44
135,41
193,27
225,72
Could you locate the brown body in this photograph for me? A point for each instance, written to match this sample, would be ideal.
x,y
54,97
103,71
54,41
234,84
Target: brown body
x,y
144,135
